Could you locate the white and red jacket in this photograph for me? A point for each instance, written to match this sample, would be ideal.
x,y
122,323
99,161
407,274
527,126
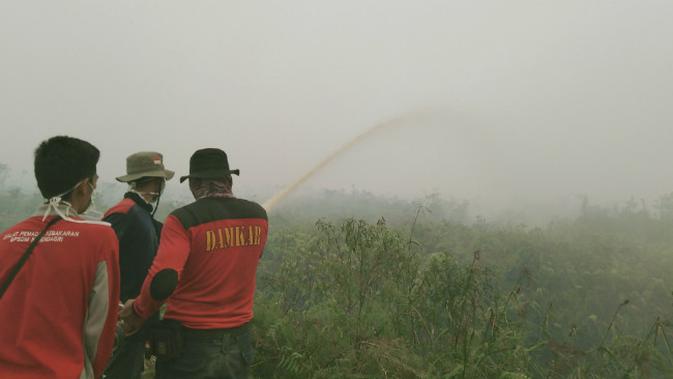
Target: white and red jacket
x,y
58,316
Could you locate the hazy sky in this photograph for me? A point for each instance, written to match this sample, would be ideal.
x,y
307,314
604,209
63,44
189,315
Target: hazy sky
x,y
531,100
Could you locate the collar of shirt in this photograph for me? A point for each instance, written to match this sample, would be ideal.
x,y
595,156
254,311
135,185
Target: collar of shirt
x,y
139,200
63,206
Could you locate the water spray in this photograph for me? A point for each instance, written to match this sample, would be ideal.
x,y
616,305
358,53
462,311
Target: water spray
x,y
395,122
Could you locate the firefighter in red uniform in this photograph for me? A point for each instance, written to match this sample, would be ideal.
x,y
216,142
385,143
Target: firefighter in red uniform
x,y
205,271
59,274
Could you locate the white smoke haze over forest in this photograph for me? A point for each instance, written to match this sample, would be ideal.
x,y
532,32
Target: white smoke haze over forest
x,y
510,105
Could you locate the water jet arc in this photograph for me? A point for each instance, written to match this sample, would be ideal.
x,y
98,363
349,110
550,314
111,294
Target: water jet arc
x,y
395,122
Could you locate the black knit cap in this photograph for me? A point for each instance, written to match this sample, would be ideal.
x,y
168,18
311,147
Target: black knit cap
x,y
210,163
61,162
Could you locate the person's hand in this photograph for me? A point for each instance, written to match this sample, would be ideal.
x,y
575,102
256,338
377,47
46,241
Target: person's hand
x,y
130,321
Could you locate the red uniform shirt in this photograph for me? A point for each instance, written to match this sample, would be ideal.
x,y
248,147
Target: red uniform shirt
x,y
58,316
214,245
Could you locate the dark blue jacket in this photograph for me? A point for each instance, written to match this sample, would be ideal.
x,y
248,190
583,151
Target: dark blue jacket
x,y
138,233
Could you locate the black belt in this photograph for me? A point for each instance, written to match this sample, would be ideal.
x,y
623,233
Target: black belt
x,y
216,332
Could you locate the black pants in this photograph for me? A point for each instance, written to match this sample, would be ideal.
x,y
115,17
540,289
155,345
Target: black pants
x,y
128,359
210,354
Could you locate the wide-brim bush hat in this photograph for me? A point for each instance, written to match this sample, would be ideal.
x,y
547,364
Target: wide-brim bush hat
x,y
145,164
209,163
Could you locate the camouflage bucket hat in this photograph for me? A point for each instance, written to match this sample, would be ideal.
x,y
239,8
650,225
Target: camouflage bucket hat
x,y
145,164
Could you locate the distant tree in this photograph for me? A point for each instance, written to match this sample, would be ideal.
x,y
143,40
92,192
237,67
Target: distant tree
x,y
665,207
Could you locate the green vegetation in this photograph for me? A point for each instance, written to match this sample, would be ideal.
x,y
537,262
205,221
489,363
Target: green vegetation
x,y
424,293
423,296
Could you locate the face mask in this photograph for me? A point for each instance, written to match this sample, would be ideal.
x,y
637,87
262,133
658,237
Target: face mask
x,y
157,195
91,212
64,209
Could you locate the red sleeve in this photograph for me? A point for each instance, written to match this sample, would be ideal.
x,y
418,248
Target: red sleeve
x,y
173,253
106,290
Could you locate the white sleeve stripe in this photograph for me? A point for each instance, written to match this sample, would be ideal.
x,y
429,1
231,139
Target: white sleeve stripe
x,y
95,318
